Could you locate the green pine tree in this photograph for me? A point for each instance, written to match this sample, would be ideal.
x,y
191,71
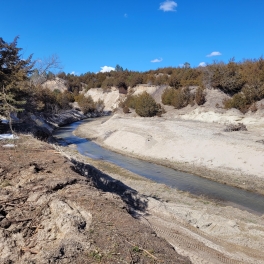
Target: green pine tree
x,y
14,73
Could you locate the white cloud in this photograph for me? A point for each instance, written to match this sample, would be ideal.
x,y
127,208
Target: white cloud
x,y
73,72
168,5
107,69
157,60
202,64
214,53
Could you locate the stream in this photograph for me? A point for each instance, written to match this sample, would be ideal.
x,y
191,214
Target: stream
x,y
196,185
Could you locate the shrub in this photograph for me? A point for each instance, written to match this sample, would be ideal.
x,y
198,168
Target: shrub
x,y
178,98
135,79
86,103
63,99
130,101
108,83
99,105
174,81
167,96
238,101
161,79
246,98
200,96
253,93
225,77
181,98
126,109
121,84
146,105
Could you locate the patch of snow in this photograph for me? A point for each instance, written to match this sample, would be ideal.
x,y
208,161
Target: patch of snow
x,y
9,146
4,121
7,136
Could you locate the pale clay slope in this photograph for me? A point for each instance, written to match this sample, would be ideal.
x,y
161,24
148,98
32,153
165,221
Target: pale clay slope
x,y
193,135
111,99
57,84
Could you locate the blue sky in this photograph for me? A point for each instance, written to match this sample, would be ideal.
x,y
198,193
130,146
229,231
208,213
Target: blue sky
x,y
138,35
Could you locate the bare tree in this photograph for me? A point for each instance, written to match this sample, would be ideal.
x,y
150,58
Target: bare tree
x,y
44,66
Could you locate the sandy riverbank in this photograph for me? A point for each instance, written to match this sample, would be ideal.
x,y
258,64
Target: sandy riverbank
x,y
205,231
202,148
196,227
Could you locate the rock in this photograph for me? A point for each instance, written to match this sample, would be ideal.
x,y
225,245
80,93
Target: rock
x,y
5,223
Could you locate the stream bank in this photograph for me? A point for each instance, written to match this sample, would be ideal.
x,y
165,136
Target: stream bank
x,y
200,148
172,178
206,231
51,214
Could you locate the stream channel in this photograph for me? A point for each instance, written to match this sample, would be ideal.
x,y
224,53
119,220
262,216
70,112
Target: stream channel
x,y
196,185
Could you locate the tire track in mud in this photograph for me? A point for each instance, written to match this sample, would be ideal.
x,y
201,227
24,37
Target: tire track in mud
x,y
248,252
200,248
178,236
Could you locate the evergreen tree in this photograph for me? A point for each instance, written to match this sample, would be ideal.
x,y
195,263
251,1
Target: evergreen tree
x,y
118,68
14,73
146,105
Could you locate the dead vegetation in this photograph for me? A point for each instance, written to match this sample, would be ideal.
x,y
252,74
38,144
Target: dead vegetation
x,y
235,127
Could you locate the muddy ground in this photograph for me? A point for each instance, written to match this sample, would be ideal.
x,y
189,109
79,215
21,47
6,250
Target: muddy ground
x,y
49,213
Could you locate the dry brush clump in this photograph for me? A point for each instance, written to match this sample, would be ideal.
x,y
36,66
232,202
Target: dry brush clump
x,y
246,99
86,103
243,81
181,97
126,109
200,96
238,101
235,127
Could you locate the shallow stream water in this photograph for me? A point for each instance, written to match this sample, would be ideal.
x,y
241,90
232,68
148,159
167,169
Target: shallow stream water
x,y
182,181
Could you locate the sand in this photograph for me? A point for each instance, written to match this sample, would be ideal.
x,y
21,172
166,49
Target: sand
x,y
206,231
203,148
193,140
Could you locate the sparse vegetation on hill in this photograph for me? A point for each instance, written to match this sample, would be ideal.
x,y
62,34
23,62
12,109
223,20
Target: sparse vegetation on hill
x,y
22,90
178,98
200,96
21,83
86,103
244,81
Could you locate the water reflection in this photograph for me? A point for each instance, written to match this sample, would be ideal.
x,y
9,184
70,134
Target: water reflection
x,y
176,179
